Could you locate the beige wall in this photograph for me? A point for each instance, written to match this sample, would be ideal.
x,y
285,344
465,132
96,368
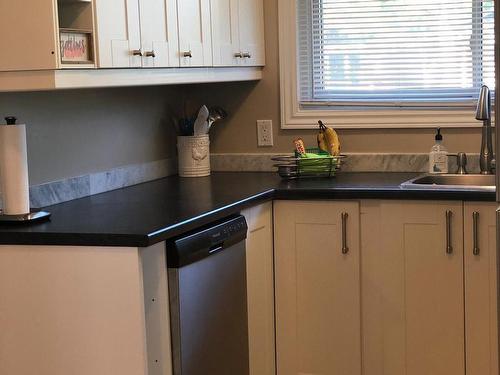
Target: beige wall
x,y
249,102
71,133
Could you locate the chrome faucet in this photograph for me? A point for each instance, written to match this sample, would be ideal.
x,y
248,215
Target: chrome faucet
x,y
483,113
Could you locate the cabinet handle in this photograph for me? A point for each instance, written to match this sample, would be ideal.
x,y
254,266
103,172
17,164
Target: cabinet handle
x,y
247,55
137,52
238,55
150,54
475,233
345,248
188,54
449,246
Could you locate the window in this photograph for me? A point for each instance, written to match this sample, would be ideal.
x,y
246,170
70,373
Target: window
x,y
395,52
383,55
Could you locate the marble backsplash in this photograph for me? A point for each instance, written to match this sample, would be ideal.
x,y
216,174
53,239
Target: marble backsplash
x,y
359,162
100,182
82,186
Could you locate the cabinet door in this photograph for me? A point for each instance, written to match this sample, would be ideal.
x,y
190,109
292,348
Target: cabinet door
x,y
260,286
251,31
195,41
317,288
28,40
118,33
481,332
159,39
225,34
413,297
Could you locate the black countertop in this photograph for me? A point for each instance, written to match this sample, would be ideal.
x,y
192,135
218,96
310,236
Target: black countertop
x,y
146,214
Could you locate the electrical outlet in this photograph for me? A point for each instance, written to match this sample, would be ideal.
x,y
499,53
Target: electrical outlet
x,y
265,133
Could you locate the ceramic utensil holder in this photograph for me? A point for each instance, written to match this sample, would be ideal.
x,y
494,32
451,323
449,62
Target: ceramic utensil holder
x,y
194,156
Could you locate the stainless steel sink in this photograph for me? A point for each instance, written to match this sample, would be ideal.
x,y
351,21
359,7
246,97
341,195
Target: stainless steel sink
x,y
452,182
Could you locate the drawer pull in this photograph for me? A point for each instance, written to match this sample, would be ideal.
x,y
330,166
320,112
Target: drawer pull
x,y
345,248
475,233
449,246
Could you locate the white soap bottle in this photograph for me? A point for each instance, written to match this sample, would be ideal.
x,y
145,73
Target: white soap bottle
x,y
438,157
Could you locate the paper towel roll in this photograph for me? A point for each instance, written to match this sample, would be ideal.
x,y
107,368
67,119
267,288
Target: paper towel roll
x,y
14,182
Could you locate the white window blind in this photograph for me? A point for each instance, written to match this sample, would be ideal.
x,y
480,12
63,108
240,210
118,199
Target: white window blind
x,y
394,52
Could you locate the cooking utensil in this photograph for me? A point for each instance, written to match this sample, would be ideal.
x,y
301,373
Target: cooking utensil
x,y
216,114
201,124
185,127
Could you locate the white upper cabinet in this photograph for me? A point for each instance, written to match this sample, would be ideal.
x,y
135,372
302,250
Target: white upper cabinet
x,y
225,38
118,33
195,39
125,35
136,33
28,39
238,32
159,39
251,31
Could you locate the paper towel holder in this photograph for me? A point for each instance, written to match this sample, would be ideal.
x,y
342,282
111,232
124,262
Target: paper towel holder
x,y
33,217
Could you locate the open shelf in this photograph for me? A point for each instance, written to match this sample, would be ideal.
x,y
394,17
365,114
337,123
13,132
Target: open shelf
x,y
76,33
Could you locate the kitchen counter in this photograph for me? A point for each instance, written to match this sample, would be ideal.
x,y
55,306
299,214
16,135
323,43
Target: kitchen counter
x,y
149,213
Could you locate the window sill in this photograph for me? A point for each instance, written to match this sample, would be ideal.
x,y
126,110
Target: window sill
x,y
379,119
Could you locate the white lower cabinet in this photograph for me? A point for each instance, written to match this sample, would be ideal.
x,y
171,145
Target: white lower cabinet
x,y
260,289
415,294
317,270
80,310
481,327
427,308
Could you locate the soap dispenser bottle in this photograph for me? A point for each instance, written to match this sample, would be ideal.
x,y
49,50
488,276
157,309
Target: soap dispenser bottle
x,y
438,157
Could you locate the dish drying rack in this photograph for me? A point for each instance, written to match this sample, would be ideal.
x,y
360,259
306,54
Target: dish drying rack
x,y
294,166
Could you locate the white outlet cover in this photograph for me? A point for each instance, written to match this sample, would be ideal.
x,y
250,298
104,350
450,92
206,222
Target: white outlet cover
x,y
265,133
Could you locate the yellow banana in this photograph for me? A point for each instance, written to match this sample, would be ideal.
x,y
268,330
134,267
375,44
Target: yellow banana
x,y
321,141
331,139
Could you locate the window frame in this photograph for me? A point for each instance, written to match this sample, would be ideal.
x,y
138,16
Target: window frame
x,y
295,117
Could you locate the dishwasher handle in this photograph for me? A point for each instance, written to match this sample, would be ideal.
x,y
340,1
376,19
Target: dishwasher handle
x,y
207,241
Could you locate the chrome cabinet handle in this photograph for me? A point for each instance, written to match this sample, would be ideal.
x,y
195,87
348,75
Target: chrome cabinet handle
x,y
449,246
238,55
137,52
187,54
150,54
475,233
247,55
345,248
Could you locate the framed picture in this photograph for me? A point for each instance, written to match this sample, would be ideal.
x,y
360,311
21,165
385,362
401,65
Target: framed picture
x,y
76,46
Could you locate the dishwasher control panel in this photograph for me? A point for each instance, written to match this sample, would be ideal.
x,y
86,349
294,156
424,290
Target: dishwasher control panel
x,y
229,230
206,241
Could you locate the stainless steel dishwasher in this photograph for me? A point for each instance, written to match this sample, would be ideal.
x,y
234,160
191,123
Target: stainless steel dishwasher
x,y
208,300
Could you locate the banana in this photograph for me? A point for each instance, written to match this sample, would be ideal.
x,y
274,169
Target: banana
x,y
333,142
321,141
331,139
